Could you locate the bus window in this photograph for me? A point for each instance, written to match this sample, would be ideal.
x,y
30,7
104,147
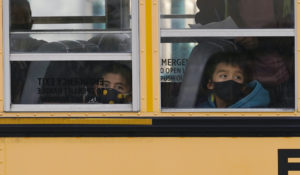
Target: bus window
x,y
177,14
184,78
205,70
91,82
227,14
33,25
80,53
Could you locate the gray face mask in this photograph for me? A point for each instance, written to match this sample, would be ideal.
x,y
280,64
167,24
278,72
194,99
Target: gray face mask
x,y
229,91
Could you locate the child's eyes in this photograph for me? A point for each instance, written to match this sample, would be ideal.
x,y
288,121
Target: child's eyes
x,y
238,77
223,76
120,88
106,85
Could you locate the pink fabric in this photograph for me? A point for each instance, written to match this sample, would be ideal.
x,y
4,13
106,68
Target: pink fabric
x,y
270,69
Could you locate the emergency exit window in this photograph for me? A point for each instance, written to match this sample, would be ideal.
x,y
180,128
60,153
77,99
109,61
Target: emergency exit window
x,y
227,55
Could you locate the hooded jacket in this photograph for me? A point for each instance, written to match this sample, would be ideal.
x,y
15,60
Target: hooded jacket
x,y
257,98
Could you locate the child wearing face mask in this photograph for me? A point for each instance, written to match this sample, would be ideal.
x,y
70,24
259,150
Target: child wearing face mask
x,y
227,79
114,86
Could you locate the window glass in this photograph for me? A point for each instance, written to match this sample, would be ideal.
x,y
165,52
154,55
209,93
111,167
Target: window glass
x,y
240,72
65,52
177,13
34,25
70,43
89,82
230,14
112,13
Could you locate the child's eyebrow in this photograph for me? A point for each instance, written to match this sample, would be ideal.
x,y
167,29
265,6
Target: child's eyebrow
x,y
241,72
122,84
221,70
104,81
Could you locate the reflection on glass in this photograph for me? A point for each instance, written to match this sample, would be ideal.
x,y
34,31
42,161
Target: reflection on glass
x,y
65,7
177,13
44,82
228,14
70,43
69,14
115,17
248,72
172,67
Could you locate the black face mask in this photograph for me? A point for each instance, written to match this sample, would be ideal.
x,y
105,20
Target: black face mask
x,y
110,96
229,91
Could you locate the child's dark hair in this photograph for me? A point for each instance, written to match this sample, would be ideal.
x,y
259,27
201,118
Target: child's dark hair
x,y
231,58
118,68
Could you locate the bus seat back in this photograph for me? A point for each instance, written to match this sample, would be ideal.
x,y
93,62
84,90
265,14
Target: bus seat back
x,y
194,70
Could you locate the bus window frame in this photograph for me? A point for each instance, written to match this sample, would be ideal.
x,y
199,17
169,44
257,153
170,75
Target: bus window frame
x,y
188,34
133,57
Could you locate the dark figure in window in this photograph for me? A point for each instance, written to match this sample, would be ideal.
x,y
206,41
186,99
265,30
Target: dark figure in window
x,y
227,79
273,57
21,20
248,13
210,11
20,15
115,85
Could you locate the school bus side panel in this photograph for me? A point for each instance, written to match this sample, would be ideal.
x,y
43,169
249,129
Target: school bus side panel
x,y
148,156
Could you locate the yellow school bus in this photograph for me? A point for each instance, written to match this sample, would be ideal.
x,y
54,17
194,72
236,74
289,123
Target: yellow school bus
x,y
149,87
